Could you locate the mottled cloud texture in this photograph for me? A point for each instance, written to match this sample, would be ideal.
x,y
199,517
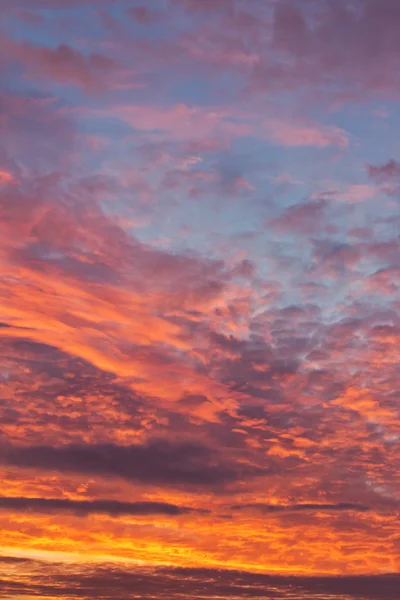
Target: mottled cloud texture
x,y
199,299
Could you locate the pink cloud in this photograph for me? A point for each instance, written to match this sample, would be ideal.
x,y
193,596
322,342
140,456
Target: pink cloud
x,y
333,259
180,121
357,193
280,45
339,48
385,173
384,281
224,122
351,194
355,45
294,135
6,177
63,64
306,217
209,48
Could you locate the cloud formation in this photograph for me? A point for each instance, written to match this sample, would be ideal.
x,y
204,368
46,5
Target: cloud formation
x,y
199,299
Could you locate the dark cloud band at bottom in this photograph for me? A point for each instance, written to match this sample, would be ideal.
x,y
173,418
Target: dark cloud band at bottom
x,y
108,582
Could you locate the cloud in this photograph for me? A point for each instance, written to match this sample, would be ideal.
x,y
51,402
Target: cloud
x,y
387,171
113,508
159,462
296,135
191,123
112,582
278,508
63,64
357,193
181,122
386,175
383,281
37,133
178,326
275,47
306,218
350,46
332,258
6,177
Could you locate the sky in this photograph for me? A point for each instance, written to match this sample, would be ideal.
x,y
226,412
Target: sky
x,y
199,299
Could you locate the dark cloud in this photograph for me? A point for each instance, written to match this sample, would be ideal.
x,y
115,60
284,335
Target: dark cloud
x,y
159,462
14,560
85,507
387,176
112,583
143,299
387,172
277,508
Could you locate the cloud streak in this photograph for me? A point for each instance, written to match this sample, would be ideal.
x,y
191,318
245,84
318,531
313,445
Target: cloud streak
x,y
113,508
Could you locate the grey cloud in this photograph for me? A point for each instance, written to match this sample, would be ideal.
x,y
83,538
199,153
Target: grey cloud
x,y
86,507
310,507
158,462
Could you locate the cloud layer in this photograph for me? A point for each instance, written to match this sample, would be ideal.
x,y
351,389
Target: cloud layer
x,y
199,299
